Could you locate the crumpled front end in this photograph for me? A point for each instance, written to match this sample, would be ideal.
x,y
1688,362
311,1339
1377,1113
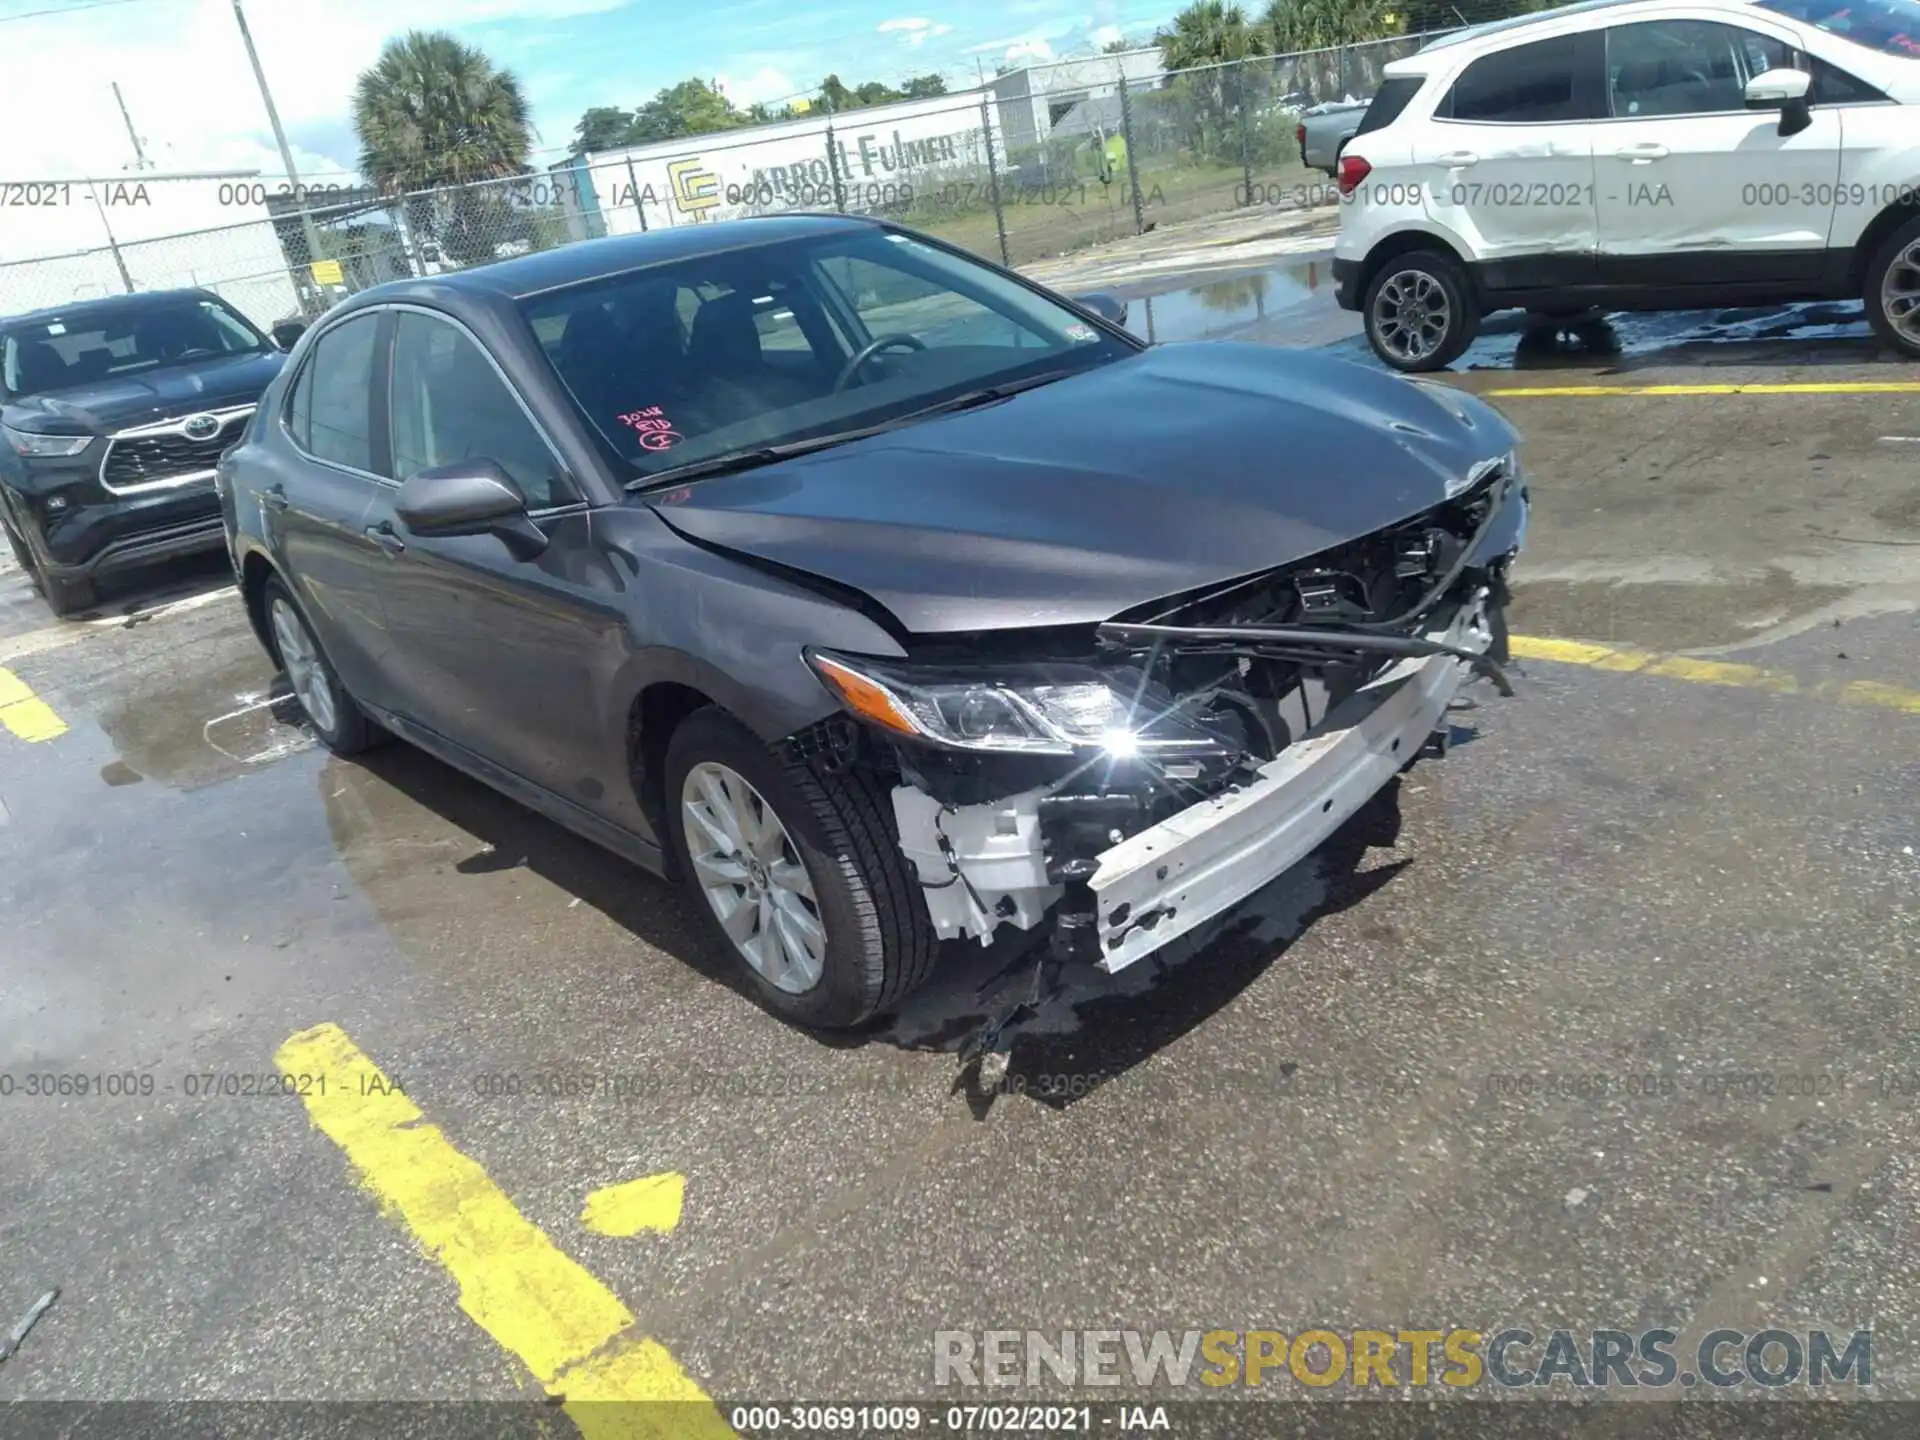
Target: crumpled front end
x,y
1125,786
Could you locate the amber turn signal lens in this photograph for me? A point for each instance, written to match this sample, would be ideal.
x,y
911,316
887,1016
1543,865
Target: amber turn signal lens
x,y
865,698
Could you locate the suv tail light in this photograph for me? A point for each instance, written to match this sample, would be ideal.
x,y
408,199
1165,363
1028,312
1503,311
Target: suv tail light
x,y
1352,171
1300,135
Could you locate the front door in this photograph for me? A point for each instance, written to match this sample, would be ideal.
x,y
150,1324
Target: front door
x,y
1694,188
504,657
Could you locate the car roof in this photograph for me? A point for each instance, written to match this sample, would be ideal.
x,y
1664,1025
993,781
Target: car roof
x,y
1495,28
104,306
587,260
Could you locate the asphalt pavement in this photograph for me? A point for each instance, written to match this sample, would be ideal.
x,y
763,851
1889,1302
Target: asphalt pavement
x,y
1605,1018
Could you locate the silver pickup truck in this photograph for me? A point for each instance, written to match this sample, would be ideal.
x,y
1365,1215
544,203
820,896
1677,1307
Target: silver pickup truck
x,y
1325,127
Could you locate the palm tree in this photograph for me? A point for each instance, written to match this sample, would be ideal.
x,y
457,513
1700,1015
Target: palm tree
x,y
1208,32
433,111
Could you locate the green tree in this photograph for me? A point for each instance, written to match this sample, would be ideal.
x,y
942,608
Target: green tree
x,y
1209,32
923,87
1115,47
434,111
604,127
835,96
1293,25
693,107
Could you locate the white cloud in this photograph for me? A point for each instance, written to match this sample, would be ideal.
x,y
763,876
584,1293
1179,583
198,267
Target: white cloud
x,y
914,31
1033,51
1105,35
766,84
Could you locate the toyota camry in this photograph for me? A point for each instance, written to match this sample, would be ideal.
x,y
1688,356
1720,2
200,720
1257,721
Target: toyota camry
x,y
880,595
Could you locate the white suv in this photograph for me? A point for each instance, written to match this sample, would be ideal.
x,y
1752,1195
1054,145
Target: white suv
x,y
1638,155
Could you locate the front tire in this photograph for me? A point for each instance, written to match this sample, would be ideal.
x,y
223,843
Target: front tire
x,y
1421,313
340,723
797,873
1893,290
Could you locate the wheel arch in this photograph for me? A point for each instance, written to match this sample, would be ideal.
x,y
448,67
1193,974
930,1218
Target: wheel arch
x,y
255,570
1404,242
1874,236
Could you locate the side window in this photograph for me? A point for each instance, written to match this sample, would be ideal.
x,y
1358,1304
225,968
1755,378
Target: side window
x,y
1834,86
448,403
299,405
1525,85
1683,67
333,406
1388,101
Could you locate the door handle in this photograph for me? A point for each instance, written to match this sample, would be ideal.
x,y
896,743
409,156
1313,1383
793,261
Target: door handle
x,y
274,497
1641,154
1459,159
386,537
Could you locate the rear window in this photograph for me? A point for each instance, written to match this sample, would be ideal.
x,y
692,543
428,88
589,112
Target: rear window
x,y
1526,84
1892,26
1389,101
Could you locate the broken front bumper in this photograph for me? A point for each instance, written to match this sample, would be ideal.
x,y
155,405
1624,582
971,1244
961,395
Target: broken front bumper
x,y
1157,885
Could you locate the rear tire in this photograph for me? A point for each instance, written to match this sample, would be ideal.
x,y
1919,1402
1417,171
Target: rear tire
x,y
1420,312
1892,291
859,940
339,722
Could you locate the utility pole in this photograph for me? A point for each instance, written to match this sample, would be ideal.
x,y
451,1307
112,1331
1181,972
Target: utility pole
x,y
140,161
280,138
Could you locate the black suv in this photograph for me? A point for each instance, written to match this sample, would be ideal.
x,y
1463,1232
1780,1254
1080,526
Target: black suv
x,y
113,414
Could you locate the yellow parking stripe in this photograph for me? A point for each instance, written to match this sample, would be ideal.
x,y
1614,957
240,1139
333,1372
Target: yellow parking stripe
x,y
25,713
1836,387
1714,672
570,1330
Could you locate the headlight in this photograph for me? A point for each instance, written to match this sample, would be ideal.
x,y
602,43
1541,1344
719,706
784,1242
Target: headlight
x,y
1046,710
25,442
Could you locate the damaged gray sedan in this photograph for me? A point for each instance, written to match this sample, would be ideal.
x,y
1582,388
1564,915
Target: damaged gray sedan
x,y
880,594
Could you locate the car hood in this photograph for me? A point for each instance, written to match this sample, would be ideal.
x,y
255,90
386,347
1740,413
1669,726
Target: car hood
x,y
1179,467
121,401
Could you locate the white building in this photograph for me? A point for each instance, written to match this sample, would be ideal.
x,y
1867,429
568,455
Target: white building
x,y
877,158
1034,100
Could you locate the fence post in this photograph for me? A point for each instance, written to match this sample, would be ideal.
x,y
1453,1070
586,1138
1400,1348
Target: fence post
x,y
993,180
1246,137
633,189
1133,168
833,164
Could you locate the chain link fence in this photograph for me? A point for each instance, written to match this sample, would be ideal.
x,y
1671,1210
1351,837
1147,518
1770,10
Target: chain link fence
x,y
1047,162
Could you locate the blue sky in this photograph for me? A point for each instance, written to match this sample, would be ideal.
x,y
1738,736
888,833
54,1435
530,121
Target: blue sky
x,y
773,49
186,82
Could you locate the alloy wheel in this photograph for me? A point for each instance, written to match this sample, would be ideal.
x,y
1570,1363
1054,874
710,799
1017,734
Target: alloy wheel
x,y
1411,315
748,867
300,657
1900,292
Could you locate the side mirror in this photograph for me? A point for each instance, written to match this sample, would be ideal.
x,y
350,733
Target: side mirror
x,y
1785,90
1105,306
469,497
286,334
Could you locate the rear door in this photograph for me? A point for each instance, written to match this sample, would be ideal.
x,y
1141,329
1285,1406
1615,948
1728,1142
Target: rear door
x,y
1506,162
314,505
1694,188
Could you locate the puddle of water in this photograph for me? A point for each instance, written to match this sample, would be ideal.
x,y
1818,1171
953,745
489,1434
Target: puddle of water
x,y
1231,305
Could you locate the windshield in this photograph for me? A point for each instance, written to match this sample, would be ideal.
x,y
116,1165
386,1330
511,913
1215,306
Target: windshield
x,y
1889,25
742,349
89,346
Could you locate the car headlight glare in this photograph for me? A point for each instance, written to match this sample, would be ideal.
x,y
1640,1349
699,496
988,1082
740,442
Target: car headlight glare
x,y
1054,710
25,442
